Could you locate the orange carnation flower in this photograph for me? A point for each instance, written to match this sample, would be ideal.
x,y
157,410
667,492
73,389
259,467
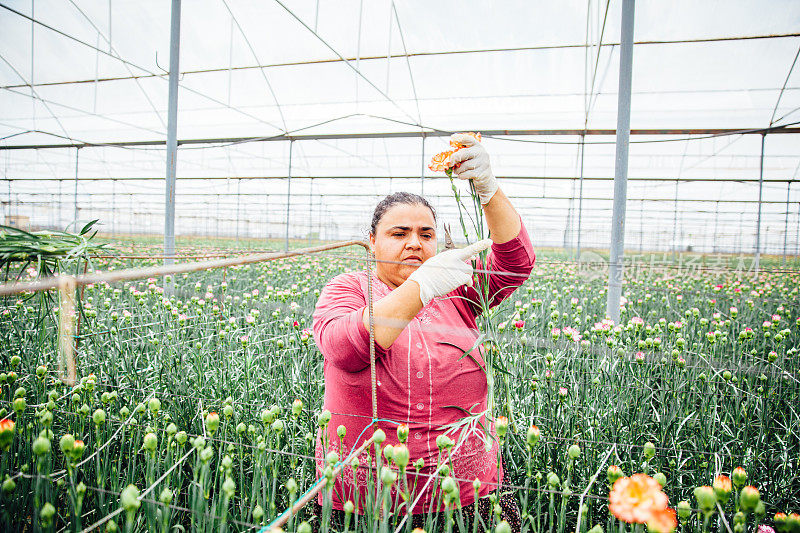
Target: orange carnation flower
x,y
662,521
634,499
441,161
476,136
6,424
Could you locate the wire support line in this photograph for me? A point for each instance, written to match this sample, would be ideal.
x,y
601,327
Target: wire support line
x,y
783,88
346,62
691,134
148,272
127,67
144,493
412,55
555,439
128,63
673,452
405,177
255,56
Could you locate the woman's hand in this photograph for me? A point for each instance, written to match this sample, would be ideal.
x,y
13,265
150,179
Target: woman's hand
x,y
446,271
472,163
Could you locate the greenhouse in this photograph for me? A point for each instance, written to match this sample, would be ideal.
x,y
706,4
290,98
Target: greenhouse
x,y
400,266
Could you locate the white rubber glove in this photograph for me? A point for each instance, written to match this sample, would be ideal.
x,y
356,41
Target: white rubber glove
x,y
446,271
474,166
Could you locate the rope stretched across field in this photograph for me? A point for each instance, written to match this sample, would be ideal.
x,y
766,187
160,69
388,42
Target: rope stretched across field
x,y
68,284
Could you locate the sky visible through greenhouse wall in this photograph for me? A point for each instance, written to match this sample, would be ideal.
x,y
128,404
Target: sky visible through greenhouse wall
x,y
93,72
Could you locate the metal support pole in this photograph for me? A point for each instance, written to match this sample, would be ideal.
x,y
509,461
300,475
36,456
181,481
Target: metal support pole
x,y
716,225
113,207
786,224
310,209
288,196
266,219
422,169
615,271
757,261
172,139
741,233
580,204
675,226
75,217
797,242
238,207
641,226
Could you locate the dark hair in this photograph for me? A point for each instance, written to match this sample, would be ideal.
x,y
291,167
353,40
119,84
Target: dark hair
x,y
394,199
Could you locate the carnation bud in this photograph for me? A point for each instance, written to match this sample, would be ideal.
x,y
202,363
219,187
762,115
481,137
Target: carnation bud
x,y
661,478
533,435
155,405
341,431
401,456
794,519
501,425
166,496
41,446
402,433
552,479
324,418
349,507
388,477
129,499
614,473
9,485
228,488
99,417
574,452
150,442
749,498
388,452
378,437
258,513
684,510
212,422
649,450
332,458
781,522
297,407
706,501
739,477
77,449
66,443
503,527
722,489
47,513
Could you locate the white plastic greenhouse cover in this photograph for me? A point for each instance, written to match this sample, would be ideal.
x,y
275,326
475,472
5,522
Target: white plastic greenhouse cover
x,y
92,72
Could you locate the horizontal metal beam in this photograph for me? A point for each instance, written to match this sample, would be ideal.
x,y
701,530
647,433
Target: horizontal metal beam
x,y
413,134
282,194
546,178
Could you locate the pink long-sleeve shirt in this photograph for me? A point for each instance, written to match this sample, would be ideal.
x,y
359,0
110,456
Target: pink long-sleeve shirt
x,y
422,378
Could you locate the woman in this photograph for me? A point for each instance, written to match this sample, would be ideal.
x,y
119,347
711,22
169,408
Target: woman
x,y
425,312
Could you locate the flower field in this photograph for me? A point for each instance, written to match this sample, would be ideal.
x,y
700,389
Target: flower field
x,y
199,411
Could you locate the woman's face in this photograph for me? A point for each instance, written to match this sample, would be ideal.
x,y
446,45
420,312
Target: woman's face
x,y
407,233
